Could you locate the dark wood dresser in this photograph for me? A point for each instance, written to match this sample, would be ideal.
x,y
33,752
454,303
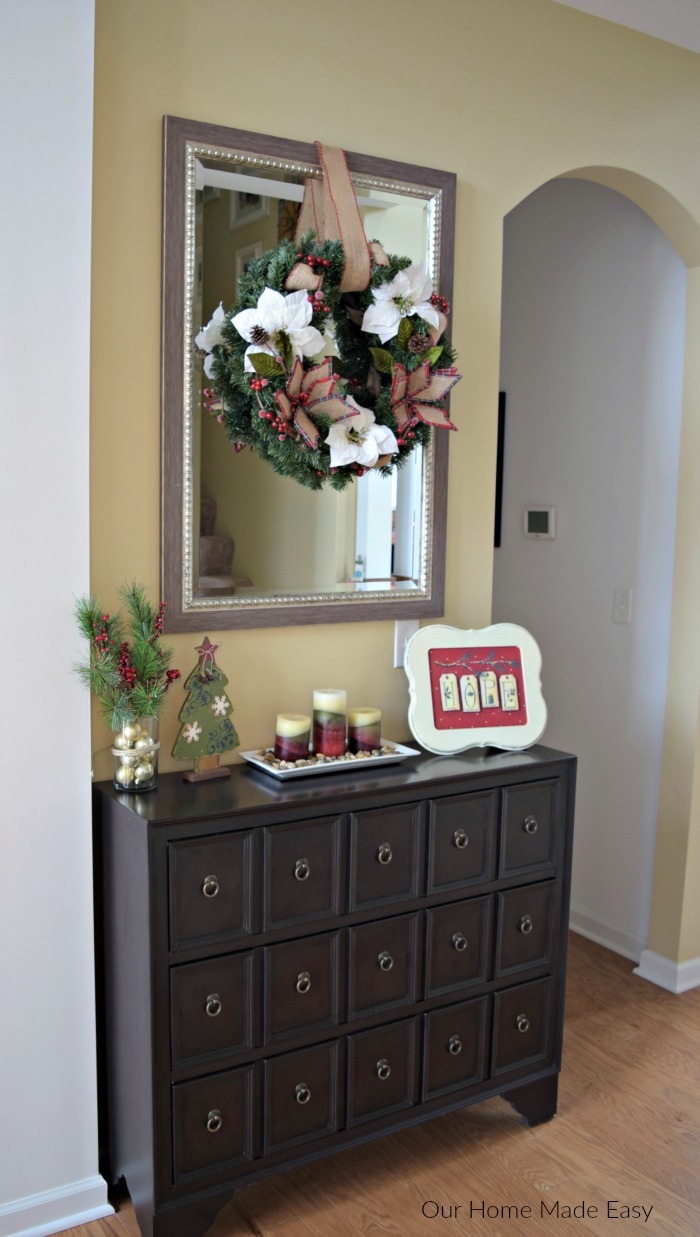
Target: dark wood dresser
x,y
287,968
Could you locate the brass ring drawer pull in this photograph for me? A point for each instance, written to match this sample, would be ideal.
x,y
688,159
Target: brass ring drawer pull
x,y
385,961
210,887
383,1069
385,853
460,839
530,825
460,942
302,869
526,925
302,1093
303,982
455,1045
522,1022
214,1121
213,1005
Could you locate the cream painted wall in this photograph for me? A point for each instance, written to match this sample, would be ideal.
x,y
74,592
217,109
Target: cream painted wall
x,y
522,91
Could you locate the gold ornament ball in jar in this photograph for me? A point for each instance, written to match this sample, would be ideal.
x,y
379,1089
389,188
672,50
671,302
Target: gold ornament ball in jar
x,y
125,775
144,771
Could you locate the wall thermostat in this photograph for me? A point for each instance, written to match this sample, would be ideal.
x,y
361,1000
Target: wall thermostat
x,y
540,522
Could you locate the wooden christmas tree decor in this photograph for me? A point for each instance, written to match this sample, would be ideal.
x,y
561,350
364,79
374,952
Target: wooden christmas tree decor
x,y
206,729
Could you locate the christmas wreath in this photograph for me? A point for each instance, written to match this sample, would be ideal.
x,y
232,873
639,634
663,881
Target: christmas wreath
x,y
324,370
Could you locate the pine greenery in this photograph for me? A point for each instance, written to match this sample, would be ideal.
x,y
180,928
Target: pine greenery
x,y
128,668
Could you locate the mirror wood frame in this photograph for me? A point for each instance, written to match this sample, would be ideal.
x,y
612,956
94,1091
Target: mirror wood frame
x,y
184,613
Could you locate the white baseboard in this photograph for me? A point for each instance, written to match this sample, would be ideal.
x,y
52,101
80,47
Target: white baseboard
x,y
673,976
54,1210
619,940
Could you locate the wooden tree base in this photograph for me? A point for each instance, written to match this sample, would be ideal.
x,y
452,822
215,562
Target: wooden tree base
x,y
207,775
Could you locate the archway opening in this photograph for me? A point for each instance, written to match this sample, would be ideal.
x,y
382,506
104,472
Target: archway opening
x,y
592,369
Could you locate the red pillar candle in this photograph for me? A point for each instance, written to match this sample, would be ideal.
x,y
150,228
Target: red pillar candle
x,y
330,721
364,729
292,735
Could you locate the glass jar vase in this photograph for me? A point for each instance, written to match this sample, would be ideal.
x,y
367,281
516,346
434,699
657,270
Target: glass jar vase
x,y
135,751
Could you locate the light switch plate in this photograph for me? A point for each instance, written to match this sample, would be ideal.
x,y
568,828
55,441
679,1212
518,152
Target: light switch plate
x,y
622,605
403,630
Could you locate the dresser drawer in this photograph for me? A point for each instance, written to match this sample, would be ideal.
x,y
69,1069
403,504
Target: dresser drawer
x,y
524,932
213,1008
302,985
455,1048
211,889
383,964
302,872
529,827
386,852
462,845
302,1096
522,1030
458,945
382,1071
213,1123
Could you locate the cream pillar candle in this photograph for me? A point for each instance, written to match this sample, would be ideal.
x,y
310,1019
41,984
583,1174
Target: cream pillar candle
x,y
364,729
292,734
330,721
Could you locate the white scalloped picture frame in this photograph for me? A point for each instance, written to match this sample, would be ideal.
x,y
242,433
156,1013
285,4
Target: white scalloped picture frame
x,y
478,688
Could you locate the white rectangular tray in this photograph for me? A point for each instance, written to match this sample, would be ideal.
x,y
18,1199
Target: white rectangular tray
x,y
344,765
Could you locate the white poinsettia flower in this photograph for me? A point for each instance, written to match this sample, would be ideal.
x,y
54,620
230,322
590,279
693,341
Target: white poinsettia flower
x,y
408,293
276,315
210,335
359,439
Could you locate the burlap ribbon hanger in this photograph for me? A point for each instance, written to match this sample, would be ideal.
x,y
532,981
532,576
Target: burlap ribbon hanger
x,y
329,208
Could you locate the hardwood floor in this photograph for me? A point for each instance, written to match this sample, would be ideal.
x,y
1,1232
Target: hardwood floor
x,y
627,1135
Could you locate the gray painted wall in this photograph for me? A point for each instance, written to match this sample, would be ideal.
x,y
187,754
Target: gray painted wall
x,y
591,363
48,1110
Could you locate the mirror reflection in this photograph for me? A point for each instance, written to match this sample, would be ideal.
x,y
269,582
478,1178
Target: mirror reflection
x,y
256,534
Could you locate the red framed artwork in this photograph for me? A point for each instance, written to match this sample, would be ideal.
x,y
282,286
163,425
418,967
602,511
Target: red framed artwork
x,y
475,688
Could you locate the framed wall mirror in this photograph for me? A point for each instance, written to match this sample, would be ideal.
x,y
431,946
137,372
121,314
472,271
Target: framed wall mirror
x,y
240,545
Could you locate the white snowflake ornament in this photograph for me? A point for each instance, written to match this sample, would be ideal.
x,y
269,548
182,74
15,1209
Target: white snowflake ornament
x,y
220,706
192,732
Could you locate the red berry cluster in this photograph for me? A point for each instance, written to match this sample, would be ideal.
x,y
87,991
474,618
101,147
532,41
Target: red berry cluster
x,y
440,303
158,620
124,666
257,384
407,433
277,422
171,675
101,638
317,301
312,261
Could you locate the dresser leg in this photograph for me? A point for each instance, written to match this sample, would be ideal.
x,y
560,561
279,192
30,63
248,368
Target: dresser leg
x,y
536,1101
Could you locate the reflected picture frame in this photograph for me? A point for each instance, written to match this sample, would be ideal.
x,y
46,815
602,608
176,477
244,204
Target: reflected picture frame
x,y
245,256
477,688
247,208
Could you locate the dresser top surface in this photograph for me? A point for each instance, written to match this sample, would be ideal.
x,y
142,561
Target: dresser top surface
x,y
251,790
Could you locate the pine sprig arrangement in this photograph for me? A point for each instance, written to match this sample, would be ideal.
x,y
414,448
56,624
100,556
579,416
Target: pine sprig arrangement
x,y
246,402
128,668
